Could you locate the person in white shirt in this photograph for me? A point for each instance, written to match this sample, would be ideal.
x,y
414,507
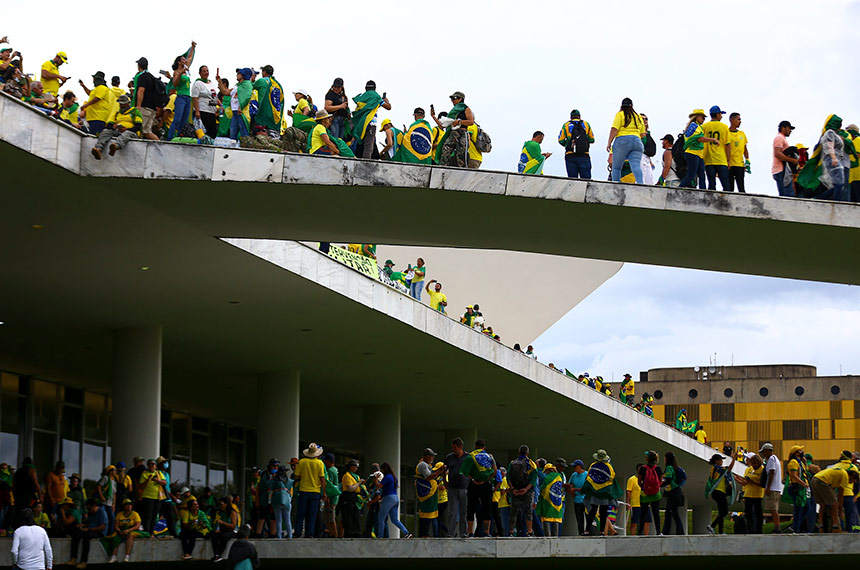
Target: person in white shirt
x,y
205,103
773,492
31,548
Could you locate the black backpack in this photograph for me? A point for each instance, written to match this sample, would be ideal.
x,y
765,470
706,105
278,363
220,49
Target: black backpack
x,y
578,142
517,477
650,146
678,160
161,93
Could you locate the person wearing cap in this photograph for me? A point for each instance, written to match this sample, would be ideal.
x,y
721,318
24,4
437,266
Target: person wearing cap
x,y
669,174
364,118
185,497
127,528
352,486
427,492
303,106
453,147
795,493
6,55
849,506
278,488
781,160
51,77
388,269
531,157
393,139
468,317
240,100
576,136
310,472
717,154
124,125
773,491
438,299
98,107
739,163
828,489
416,145
270,95
337,104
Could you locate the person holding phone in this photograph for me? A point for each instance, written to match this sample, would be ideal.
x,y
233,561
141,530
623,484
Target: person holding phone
x,y
182,83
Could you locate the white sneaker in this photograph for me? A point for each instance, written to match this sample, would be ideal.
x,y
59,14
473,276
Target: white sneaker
x,y
127,558
112,559
710,529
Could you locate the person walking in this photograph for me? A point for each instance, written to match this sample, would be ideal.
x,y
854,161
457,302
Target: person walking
x,y
390,504
719,488
626,134
576,137
673,478
601,490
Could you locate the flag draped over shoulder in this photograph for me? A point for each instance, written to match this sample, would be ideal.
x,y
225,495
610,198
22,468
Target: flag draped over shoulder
x,y
452,114
367,104
303,122
810,175
531,159
417,144
271,102
479,465
551,500
600,482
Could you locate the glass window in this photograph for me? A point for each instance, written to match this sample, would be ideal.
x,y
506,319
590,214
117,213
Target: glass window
x,y
197,478
71,424
235,466
216,481
799,390
181,435
73,396
237,433
9,416
200,424
218,443
71,455
45,408
164,442
178,472
93,464
693,393
251,449
95,416
199,448
763,392
728,392
44,451
9,448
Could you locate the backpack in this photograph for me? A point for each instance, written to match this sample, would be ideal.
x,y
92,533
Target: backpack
x,y
764,474
678,160
578,142
162,98
482,141
517,477
680,477
650,145
651,482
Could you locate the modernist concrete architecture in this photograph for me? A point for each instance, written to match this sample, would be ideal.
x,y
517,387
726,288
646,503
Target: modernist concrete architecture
x,y
144,313
749,405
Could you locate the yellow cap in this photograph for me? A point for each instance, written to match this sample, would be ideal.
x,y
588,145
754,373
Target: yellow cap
x,y
384,122
439,465
62,55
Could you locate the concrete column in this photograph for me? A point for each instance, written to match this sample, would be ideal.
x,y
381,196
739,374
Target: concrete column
x,y
278,416
701,519
682,510
136,393
568,525
382,443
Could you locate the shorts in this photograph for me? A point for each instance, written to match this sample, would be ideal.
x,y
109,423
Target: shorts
x,y
328,513
636,515
148,116
771,500
823,493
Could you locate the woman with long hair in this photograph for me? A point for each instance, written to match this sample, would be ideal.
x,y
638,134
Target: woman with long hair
x,y
694,150
390,504
753,493
651,493
627,131
719,488
674,495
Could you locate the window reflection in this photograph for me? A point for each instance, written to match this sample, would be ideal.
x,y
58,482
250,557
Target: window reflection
x,y
197,478
216,481
95,416
71,455
93,465
44,405
179,472
9,448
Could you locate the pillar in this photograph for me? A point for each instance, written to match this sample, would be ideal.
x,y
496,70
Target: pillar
x,y
682,510
701,519
278,416
382,443
136,393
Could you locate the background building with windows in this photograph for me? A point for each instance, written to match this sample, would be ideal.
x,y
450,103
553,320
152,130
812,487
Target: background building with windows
x,y
785,404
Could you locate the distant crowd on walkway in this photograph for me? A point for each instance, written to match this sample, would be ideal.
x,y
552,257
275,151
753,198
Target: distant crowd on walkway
x,y
253,113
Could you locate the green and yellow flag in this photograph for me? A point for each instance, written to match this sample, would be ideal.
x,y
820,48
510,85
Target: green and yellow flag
x,y
551,500
479,465
271,102
417,144
531,159
601,482
367,104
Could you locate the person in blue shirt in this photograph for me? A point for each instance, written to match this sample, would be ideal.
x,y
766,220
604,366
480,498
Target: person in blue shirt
x,y
95,526
577,480
390,504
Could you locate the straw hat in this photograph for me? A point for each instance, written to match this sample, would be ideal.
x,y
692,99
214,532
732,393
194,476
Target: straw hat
x,y
322,114
313,450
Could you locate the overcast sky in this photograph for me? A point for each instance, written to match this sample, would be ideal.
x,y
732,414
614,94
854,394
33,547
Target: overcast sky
x,y
523,67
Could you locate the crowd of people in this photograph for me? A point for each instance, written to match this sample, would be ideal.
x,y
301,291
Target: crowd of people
x,y
253,112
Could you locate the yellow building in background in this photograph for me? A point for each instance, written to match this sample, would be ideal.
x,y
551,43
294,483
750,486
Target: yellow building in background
x,y
747,406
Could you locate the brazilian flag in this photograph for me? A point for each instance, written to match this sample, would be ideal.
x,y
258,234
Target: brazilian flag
x,y
367,104
271,102
479,465
428,498
417,144
810,175
531,159
551,501
303,122
452,114
601,482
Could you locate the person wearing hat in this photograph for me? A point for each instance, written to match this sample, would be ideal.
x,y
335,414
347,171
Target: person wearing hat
x,y
364,118
393,140
694,150
6,55
795,492
781,160
240,100
773,491
127,528
351,485
98,107
319,141
669,174
388,269
337,104
51,77
739,163
468,317
718,154
453,148
849,506
311,475
124,125
68,518
576,137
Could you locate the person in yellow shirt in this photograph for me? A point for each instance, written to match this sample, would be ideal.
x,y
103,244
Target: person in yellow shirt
x,y
152,485
694,150
627,131
310,473
98,107
116,90
438,299
127,528
195,524
753,493
854,172
123,125
849,507
51,78
701,435
476,157
717,155
823,485
304,104
739,163
319,141
634,491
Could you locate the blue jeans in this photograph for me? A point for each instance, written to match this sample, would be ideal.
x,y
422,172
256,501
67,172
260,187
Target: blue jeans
x,y
181,109
282,520
388,510
308,506
505,515
695,171
577,166
850,508
712,171
628,147
415,289
338,126
780,187
237,126
95,127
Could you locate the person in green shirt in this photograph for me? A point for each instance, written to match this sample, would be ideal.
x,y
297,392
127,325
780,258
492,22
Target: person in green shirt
x,y
531,158
181,82
331,495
